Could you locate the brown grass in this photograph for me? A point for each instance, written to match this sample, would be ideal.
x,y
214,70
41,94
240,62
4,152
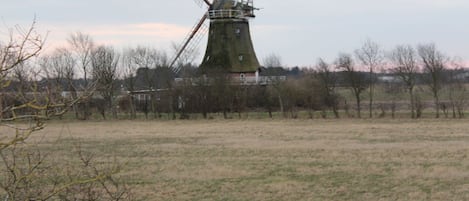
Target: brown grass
x,y
279,160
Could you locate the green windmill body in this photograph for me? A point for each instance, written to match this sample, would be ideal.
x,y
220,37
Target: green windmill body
x,y
229,46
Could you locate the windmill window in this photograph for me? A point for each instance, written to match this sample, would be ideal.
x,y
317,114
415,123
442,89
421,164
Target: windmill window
x,y
208,58
242,77
241,57
238,31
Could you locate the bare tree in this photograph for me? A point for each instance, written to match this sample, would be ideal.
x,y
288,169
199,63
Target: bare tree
x,y
371,56
144,57
104,62
59,71
17,51
82,48
404,61
129,72
82,45
275,61
433,62
156,73
272,60
328,80
25,171
356,80
22,76
22,45
457,89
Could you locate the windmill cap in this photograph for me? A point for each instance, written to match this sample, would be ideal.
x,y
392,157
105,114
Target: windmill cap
x,y
231,4
224,4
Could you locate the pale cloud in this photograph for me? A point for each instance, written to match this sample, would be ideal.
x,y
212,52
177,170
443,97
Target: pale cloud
x,y
157,30
152,34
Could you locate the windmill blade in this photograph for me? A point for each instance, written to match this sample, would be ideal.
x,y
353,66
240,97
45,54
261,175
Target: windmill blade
x,y
187,42
208,3
201,3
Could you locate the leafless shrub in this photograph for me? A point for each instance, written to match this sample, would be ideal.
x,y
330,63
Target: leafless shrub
x,y
26,171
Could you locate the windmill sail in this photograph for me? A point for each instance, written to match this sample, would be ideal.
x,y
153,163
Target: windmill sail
x,y
190,42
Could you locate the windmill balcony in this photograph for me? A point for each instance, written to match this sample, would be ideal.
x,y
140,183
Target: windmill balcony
x,y
224,14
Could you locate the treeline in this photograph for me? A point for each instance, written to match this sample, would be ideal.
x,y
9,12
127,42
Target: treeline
x,y
139,81
424,73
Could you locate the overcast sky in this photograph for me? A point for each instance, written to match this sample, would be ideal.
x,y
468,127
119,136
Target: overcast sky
x,y
298,30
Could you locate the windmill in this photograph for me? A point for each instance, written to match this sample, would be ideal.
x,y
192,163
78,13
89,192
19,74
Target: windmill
x,y
229,46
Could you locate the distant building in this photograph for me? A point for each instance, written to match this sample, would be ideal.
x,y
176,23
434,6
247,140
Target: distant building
x,y
389,78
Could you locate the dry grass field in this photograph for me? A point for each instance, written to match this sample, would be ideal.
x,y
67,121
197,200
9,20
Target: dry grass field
x,y
279,159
